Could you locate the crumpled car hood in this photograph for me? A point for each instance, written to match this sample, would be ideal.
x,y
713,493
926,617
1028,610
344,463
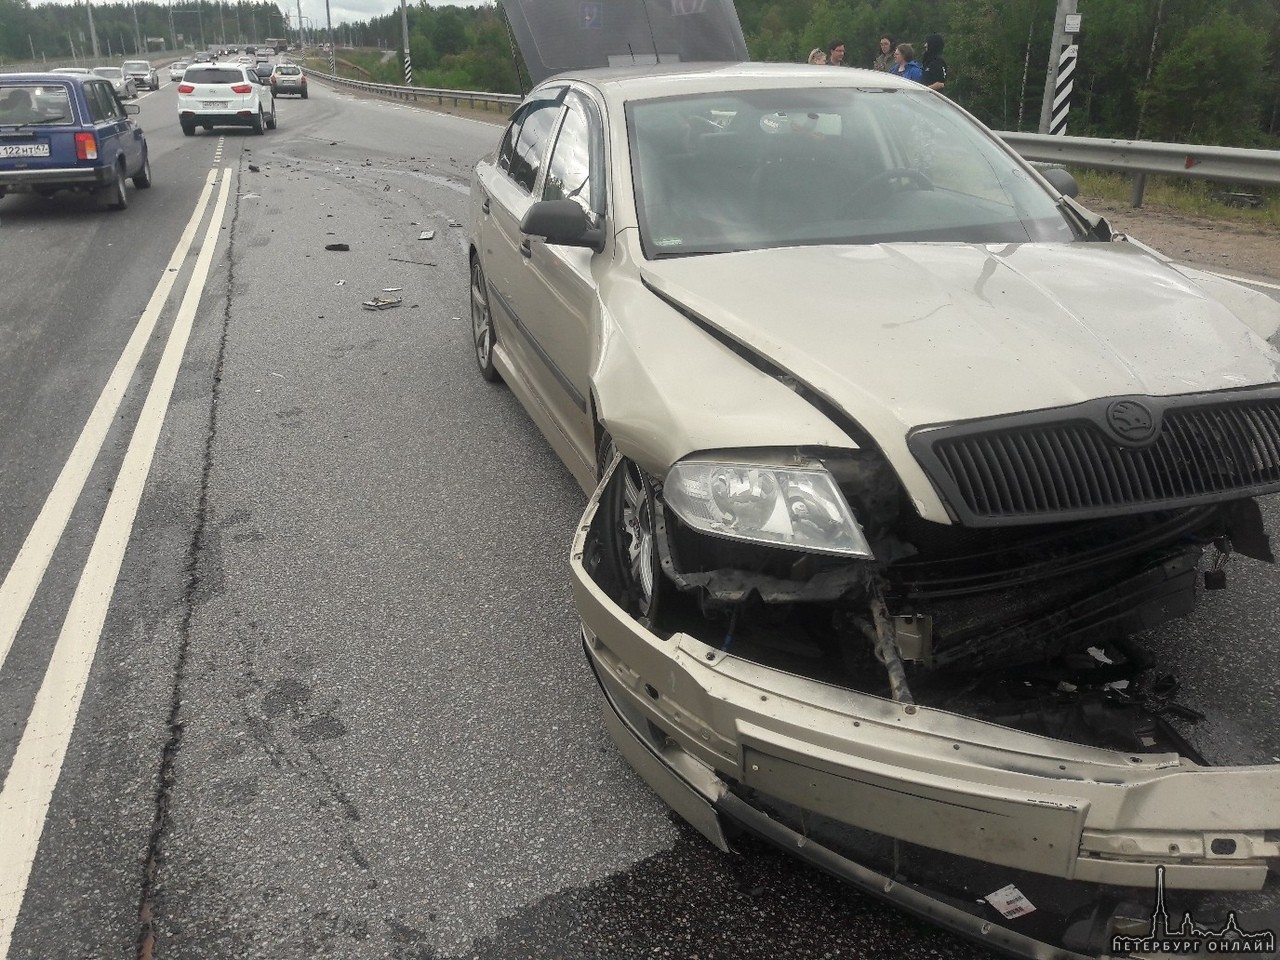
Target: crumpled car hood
x,y
902,335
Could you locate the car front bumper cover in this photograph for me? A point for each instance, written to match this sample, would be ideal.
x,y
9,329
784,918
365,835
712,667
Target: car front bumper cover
x,y
831,773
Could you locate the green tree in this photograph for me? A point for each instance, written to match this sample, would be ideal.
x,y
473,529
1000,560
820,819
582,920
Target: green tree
x,y
1209,87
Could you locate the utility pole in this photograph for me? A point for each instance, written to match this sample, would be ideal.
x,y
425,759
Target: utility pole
x,y
408,60
302,37
222,27
93,34
137,32
1062,60
173,34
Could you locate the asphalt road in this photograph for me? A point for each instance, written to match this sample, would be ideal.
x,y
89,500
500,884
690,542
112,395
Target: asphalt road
x,y
338,706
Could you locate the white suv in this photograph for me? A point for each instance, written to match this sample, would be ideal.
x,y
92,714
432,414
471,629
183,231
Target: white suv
x,y
224,94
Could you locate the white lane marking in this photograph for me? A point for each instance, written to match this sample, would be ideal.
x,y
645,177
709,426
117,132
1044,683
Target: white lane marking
x,y
1252,283
37,764
24,577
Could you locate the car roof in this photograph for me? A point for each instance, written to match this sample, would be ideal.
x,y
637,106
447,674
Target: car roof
x,y
47,76
650,81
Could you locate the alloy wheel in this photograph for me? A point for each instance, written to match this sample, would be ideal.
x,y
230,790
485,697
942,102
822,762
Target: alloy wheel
x,y
482,332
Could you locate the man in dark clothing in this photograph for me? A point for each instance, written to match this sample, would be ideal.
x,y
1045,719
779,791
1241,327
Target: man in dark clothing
x,y
935,68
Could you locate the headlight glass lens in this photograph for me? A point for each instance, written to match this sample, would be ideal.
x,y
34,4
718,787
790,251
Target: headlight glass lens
x,y
797,507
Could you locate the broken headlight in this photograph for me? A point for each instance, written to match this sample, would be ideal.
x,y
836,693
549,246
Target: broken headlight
x,y
798,507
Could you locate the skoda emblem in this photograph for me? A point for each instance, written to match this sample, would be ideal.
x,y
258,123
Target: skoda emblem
x,y
1130,420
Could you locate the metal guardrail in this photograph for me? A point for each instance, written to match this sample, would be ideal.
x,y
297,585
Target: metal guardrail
x,y
471,97
1141,157
1137,157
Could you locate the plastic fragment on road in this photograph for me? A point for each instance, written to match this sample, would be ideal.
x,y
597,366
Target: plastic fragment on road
x,y
381,303
421,263
336,246
426,235
392,289
454,223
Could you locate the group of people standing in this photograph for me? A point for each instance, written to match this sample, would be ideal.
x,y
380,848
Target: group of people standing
x,y
896,58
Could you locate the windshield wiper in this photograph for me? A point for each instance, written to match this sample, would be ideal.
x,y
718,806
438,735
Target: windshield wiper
x,y
43,120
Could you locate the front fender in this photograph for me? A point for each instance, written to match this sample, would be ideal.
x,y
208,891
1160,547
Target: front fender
x,y
664,388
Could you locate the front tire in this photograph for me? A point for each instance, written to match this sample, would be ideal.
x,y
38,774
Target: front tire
x,y
630,505
483,335
271,120
258,125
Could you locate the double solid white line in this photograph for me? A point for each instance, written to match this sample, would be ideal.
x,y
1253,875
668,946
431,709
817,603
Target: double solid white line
x,y
29,785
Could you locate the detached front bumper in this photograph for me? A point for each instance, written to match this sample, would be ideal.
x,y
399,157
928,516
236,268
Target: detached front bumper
x,y
801,762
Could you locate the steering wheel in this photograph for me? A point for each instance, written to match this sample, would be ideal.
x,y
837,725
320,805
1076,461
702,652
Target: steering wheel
x,y
884,176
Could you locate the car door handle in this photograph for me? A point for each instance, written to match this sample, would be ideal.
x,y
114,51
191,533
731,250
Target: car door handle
x,y
525,249
484,207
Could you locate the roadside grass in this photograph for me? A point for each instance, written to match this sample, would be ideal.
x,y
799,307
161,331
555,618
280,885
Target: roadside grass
x,y
1190,197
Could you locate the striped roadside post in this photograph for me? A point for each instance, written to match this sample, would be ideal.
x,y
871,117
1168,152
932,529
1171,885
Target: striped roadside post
x,y
1062,91
404,36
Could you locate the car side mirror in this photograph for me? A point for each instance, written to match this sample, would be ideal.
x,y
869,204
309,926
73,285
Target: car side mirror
x,y
132,109
563,222
1061,180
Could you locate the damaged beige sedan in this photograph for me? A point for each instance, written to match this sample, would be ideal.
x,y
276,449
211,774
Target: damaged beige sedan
x,y
896,456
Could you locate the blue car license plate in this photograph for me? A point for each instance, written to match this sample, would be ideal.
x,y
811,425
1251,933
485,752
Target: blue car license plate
x,y
24,150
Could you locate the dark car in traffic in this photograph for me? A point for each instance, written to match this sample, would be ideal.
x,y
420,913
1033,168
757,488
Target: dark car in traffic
x,y
69,132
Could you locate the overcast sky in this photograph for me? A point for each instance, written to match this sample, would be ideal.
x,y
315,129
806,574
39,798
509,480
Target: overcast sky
x,y
342,11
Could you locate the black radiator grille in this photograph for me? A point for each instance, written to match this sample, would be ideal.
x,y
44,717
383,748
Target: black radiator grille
x,y
1063,469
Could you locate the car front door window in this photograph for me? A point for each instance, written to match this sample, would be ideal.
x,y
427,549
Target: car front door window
x,y
574,158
